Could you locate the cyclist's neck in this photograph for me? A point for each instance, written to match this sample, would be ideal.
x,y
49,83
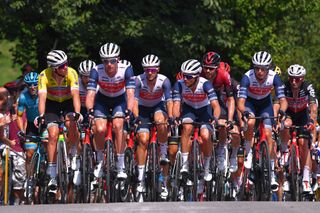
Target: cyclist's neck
x,y
58,77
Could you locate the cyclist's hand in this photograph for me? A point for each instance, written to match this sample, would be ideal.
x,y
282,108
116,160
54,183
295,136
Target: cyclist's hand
x,y
137,120
90,114
39,120
245,115
171,121
214,121
129,115
229,124
282,115
78,117
310,125
21,134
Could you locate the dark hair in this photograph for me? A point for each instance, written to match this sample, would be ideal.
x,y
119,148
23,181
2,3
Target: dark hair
x,y
25,68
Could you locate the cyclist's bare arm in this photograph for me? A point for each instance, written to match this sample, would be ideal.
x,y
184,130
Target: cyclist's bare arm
x,y
169,108
216,108
130,98
176,109
313,116
90,99
20,123
135,109
76,100
240,104
283,104
42,102
231,107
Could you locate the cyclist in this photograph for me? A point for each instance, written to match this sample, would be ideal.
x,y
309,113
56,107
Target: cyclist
x,y
217,72
198,99
254,99
84,72
300,95
58,90
28,102
116,92
152,97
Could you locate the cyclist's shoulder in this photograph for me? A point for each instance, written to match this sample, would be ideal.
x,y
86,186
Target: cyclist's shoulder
x,y
46,73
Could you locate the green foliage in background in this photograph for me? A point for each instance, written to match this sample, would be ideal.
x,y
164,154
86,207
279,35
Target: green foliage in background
x,y
8,72
176,30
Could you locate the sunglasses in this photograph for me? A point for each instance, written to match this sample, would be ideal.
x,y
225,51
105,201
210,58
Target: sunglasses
x,y
62,66
210,68
188,77
111,61
263,68
32,85
151,70
296,79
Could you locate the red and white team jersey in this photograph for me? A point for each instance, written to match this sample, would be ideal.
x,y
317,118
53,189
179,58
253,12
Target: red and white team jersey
x,y
83,93
203,94
148,97
112,86
250,87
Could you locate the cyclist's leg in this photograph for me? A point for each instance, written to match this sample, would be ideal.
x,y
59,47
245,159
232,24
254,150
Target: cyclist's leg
x,y
188,116
248,134
143,140
53,132
100,123
221,158
160,116
205,115
285,138
120,142
266,111
30,146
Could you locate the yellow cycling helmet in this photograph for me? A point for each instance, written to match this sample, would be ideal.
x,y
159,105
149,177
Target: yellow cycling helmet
x,y
277,70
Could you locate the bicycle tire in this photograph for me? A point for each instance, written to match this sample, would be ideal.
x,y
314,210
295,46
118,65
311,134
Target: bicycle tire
x,y
294,174
209,187
87,168
108,172
31,178
124,187
62,172
154,171
176,177
195,170
265,171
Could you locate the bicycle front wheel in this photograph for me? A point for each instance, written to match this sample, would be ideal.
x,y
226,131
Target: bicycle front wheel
x,y
265,171
195,172
87,168
62,171
294,174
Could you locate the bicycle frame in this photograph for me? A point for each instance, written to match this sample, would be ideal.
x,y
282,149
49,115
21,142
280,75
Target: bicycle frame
x,y
294,142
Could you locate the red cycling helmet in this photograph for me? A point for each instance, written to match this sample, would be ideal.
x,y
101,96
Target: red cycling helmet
x,y
211,59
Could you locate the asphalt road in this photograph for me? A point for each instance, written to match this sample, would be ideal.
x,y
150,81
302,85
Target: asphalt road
x,y
179,207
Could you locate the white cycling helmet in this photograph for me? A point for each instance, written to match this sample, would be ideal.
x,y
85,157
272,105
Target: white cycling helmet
x,y
261,58
296,70
191,67
109,50
85,67
56,58
150,61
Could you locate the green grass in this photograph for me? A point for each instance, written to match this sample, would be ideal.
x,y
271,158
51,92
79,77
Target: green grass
x,y
8,72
